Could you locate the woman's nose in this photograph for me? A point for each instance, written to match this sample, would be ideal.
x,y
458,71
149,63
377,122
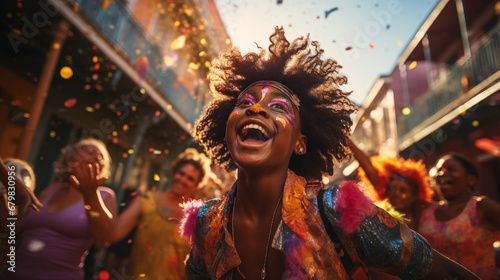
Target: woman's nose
x,y
257,109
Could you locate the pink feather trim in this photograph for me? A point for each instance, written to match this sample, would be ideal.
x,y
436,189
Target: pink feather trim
x,y
352,202
188,220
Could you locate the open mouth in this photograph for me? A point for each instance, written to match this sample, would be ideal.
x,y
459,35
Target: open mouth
x,y
254,132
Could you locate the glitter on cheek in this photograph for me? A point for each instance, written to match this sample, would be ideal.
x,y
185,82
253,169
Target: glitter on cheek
x,y
280,119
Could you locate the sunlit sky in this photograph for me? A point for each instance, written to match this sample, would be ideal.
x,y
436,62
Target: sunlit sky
x,y
365,36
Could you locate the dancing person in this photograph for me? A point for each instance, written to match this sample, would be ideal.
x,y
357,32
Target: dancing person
x,y
55,241
280,118
158,251
402,182
17,185
463,226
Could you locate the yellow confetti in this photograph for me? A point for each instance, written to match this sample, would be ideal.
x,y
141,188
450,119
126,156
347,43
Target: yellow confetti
x,y
66,72
412,65
181,205
178,43
52,134
228,41
156,177
143,91
114,133
398,43
94,214
475,123
26,115
203,41
89,109
87,207
95,59
406,111
56,46
131,151
138,51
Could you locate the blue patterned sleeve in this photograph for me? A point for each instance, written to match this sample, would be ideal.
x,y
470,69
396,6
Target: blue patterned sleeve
x,y
383,242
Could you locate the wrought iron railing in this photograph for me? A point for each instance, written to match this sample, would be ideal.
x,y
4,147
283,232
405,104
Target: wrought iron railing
x,y
460,77
118,26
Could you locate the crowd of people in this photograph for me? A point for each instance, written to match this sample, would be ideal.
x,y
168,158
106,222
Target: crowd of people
x,y
280,122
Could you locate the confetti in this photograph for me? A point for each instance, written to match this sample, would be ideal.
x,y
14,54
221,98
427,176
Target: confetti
x,y
103,274
327,13
70,102
156,177
88,207
398,42
348,48
412,65
66,72
371,46
94,214
89,109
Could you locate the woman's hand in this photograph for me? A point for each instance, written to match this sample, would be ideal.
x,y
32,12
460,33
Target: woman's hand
x,y
86,178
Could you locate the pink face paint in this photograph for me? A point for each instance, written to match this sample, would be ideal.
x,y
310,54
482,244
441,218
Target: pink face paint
x,y
246,98
264,92
286,107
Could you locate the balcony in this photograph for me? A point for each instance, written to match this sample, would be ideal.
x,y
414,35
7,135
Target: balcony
x,y
127,37
457,85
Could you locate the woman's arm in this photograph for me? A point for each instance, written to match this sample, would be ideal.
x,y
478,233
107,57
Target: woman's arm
x,y
488,211
101,213
365,163
105,224
445,268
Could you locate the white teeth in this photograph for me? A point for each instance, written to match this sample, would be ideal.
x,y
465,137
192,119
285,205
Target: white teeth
x,y
256,126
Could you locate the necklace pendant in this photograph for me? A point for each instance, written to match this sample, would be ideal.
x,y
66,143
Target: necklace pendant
x,y
263,273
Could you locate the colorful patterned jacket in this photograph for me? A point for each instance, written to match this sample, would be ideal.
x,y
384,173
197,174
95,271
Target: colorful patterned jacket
x,y
369,234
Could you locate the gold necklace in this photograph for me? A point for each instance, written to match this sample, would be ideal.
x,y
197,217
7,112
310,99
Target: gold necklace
x,y
263,271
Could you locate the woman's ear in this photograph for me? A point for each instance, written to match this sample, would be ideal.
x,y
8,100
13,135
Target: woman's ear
x,y
471,181
300,145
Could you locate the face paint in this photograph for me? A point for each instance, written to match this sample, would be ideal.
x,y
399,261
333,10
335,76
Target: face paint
x,y
234,112
280,119
245,98
264,91
284,105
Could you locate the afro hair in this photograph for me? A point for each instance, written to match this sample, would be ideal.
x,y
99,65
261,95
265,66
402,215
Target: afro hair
x,y
324,111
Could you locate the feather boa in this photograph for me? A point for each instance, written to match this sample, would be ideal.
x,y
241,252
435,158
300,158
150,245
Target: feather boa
x,y
188,220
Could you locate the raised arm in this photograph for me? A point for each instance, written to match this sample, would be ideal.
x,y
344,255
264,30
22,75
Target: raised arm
x,y
365,163
101,213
